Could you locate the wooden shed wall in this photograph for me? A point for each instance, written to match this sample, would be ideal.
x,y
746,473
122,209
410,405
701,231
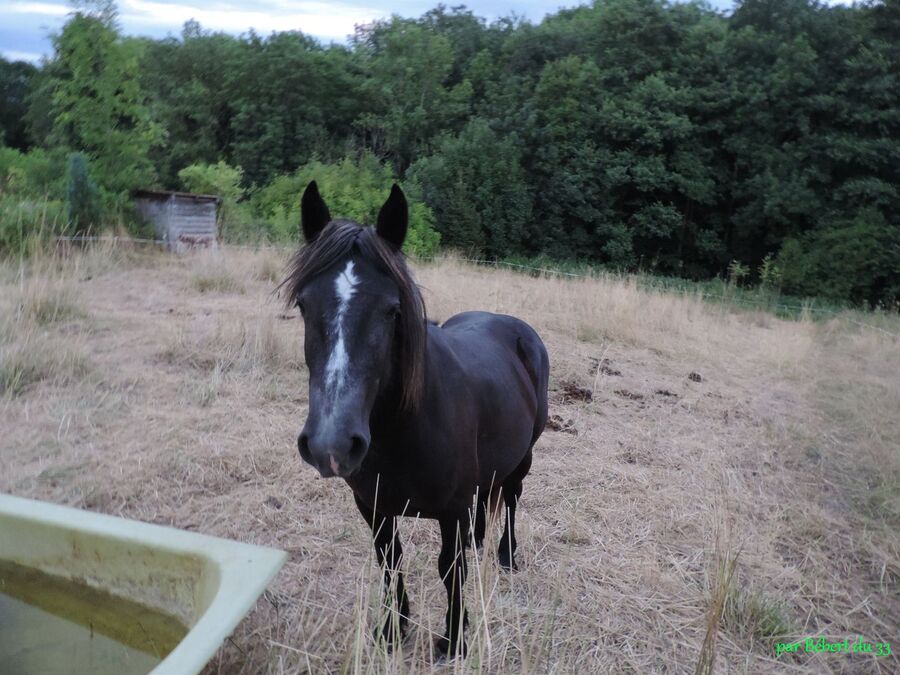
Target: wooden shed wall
x,y
183,221
192,217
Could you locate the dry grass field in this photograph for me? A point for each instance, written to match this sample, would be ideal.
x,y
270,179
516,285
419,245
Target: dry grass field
x,y
710,468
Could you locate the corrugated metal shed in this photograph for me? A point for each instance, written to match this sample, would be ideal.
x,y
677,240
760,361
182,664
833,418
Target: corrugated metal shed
x,y
183,219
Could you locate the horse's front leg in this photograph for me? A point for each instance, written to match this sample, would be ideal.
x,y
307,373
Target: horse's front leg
x,y
480,525
452,566
389,555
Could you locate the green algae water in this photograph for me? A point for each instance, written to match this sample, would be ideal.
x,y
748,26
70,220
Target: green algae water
x,y
49,626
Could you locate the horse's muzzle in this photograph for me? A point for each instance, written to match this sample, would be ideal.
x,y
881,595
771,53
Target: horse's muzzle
x,y
332,456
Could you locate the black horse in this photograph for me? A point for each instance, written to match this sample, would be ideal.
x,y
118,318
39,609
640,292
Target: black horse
x,y
418,419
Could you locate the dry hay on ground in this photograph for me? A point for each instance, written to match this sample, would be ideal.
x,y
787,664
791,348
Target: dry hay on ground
x,y
171,390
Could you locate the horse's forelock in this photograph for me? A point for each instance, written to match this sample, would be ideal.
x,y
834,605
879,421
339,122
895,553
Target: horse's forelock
x,y
339,239
333,243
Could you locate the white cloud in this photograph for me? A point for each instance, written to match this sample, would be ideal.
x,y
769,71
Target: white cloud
x,y
312,17
15,55
41,8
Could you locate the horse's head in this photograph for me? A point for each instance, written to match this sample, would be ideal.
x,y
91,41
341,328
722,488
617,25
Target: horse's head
x,y
364,328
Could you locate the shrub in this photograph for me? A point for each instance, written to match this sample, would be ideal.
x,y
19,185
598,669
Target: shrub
x,y
26,221
737,272
32,186
224,181
352,189
856,261
38,173
769,274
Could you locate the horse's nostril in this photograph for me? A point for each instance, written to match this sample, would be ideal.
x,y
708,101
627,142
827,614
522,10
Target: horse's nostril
x,y
358,446
303,445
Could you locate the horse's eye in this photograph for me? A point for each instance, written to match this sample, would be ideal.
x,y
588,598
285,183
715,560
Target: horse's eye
x,y
393,312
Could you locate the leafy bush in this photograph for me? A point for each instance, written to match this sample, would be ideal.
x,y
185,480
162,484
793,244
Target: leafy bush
x,y
32,186
352,189
29,220
856,261
769,274
737,272
224,181
38,173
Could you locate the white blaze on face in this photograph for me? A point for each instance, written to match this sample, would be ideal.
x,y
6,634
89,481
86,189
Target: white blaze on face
x,y
336,368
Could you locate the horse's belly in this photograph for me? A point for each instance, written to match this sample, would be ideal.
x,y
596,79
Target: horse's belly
x,y
501,452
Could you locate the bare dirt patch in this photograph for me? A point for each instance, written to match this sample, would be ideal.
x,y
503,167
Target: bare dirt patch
x,y
557,423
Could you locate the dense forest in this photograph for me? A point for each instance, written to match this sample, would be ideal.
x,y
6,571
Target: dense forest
x,y
636,134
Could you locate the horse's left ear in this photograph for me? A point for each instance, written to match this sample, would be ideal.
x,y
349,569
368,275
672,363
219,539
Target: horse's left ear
x,y
393,218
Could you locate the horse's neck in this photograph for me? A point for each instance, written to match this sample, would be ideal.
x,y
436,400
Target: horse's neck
x,y
387,421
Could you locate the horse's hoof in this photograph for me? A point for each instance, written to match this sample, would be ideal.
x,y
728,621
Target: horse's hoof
x,y
447,651
391,634
504,562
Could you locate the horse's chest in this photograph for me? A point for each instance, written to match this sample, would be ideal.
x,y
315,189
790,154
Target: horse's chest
x,y
412,491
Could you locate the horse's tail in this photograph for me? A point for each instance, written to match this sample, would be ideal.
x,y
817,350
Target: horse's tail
x,y
534,358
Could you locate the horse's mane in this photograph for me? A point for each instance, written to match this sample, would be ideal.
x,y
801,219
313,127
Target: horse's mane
x,y
343,237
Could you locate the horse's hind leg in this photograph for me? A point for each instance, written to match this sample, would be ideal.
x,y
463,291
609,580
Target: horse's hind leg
x,y
389,554
485,505
512,490
506,554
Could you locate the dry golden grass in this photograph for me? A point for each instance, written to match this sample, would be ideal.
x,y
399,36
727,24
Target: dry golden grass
x,y
213,270
188,412
30,352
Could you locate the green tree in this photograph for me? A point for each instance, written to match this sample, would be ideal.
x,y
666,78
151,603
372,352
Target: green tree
x,y
83,207
291,99
411,101
476,186
15,80
632,133
36,174
96,103
187,82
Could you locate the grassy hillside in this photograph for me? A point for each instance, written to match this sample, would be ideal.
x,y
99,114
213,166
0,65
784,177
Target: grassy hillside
x,y
688,439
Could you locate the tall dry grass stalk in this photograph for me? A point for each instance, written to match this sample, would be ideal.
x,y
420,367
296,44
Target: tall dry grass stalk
x,y
42,296
721,587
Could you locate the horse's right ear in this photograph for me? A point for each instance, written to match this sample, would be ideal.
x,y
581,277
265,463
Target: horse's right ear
x,y
314,214
393,218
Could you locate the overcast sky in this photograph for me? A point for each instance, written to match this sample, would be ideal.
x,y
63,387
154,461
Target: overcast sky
x,y
25,25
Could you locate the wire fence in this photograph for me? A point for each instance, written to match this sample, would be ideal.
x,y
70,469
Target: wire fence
x,y
797,310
